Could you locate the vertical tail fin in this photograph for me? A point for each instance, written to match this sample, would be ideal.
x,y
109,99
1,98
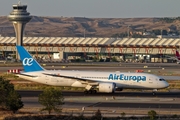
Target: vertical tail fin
x,y
28,62
177,55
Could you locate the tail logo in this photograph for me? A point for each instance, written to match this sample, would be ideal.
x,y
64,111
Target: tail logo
x,y
27,61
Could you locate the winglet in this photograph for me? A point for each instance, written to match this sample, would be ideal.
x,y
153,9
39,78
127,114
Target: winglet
x,y
28,62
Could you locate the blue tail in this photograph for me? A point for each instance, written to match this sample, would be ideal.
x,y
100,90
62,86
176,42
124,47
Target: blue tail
x,y
29,64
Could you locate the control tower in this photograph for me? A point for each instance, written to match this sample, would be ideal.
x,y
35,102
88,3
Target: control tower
x,y
19,17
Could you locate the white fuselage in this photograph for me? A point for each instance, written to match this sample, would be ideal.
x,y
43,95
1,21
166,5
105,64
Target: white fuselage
x,y
80,79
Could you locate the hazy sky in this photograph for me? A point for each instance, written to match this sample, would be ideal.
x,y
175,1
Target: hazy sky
x,y
97,8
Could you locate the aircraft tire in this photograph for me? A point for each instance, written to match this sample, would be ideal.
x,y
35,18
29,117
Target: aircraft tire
x,y
94,91
86,92
90,92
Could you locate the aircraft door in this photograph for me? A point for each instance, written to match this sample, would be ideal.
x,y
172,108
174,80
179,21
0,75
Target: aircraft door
x,y
150,79
153,81
47,78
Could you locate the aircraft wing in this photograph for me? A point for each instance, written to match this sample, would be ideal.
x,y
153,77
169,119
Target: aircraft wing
x,y
82,80
26,75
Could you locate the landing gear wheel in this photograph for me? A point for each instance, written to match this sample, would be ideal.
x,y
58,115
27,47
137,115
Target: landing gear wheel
x,y
90,91
86,92
94,91
153,93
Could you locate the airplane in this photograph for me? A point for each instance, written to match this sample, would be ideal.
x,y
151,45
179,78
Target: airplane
x,y
177,57
92,81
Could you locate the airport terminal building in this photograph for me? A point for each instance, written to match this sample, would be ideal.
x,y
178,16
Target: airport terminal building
x,y
96,49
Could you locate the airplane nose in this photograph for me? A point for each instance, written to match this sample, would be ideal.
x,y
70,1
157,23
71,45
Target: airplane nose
x,y
166,84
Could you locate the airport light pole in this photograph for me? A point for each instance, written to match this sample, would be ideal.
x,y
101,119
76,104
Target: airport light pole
x,y
84,33
128,31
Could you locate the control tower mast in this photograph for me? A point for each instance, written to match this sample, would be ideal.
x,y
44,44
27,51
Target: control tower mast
x,y
19,17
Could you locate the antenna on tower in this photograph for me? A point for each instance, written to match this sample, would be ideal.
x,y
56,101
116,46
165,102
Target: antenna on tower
x,y
19,2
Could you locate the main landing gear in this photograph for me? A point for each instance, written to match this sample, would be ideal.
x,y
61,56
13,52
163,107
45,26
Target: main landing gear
x,y
90,91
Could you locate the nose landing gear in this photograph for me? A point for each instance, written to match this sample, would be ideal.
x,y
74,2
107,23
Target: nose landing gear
x,y
154,92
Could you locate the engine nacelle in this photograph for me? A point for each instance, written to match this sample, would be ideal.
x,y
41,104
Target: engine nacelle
x,y
107,87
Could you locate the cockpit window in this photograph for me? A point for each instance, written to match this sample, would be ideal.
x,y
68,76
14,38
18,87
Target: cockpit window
x,y
161,79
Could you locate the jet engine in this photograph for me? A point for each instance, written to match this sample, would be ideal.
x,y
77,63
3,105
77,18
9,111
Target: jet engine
x,y
107,87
